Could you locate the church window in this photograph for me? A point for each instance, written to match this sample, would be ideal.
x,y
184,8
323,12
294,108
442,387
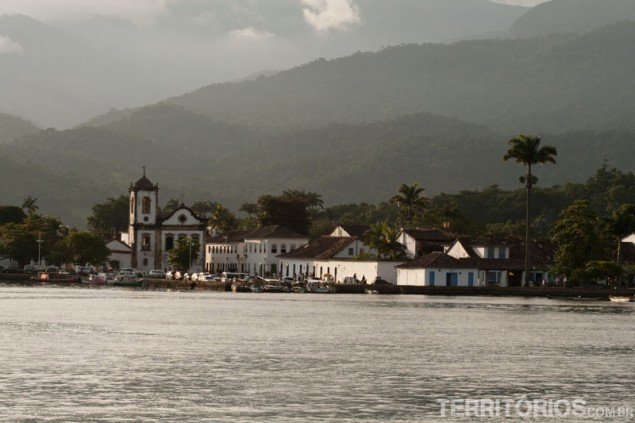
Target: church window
x,y
145,205
182,219
283,248
145,243
131,205
169,242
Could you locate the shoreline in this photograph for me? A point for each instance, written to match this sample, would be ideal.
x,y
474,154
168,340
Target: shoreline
x,y
526,292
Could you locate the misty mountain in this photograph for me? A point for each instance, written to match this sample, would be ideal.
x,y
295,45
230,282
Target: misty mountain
x,y
12,127
572,16
62,72
203,159
555,84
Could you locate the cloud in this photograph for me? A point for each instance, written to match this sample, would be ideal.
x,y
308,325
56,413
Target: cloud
x,y
250,33
326,15
8,46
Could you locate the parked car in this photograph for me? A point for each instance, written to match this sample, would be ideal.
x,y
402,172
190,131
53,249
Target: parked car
x,y
82,270
157,274
30,269
52,269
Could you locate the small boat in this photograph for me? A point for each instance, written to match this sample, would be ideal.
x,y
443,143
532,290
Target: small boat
x,y
371,291
236,287
581,298
274,288
318,287
620,299
256,288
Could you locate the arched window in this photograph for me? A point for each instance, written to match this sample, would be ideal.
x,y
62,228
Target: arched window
x,y
131,205
145,205
169,242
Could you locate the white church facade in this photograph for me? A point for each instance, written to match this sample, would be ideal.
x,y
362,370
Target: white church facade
x,y
152,234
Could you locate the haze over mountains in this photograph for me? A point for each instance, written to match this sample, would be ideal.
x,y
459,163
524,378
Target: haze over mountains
x,y
353,128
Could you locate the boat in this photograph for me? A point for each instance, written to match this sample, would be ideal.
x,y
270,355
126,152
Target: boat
x,y
318,287
371,291
620,299
274,288
581,298
238,287
256,288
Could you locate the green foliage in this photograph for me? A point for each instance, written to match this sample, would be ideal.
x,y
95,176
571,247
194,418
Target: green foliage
x,y
17,244
12,127
222,220
109,217
86,248
11,214
410,201
577,235
385,240
281,210
29,205
184,253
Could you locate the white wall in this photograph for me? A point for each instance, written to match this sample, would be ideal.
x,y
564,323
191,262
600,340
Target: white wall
x,y
410,243
421,277
345,268
630,238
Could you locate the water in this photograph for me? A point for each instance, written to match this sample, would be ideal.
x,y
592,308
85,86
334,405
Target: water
x,y
116,355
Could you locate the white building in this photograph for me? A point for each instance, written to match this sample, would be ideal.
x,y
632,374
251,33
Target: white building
x,y
421,241
335,256
120,254
251,252
357,231
152,234
477,262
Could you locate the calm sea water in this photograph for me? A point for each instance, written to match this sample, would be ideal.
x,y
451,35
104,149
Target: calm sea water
x,y
117,355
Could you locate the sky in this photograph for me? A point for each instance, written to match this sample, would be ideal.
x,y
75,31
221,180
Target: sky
x,y
322,15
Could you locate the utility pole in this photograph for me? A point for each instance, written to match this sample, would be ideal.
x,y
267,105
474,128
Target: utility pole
x,y
39,249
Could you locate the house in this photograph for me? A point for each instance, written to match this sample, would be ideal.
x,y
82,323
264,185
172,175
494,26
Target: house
x,y
225,253
477,262
120,254
420,241
252,252
335,256
357,231
151,233
627,250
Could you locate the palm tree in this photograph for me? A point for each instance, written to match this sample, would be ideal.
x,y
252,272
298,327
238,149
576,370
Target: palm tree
x,y
29,205
250,208
385,240
527,151
409,196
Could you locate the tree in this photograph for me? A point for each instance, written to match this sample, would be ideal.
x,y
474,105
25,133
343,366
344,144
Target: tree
x,y
409,198
222,220
171,205
184,253
622,224
385,240
17,243
280,210
11,214
29,204
312,200
86,248
527,151
577,236
250,208
203,208
109,217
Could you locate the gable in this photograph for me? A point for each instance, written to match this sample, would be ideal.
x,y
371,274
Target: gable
x,y
182,217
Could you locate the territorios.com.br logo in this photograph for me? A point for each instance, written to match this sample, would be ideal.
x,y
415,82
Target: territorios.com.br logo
x,y
526,408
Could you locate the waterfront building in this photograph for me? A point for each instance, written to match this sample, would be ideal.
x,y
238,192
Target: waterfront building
x,y
478,262
420,241
337,258
252,252
120,254
153,233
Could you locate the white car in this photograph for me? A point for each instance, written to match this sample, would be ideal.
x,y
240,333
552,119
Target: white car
x,y
156,273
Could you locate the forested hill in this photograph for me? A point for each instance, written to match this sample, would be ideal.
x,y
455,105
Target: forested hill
x,y
12,127
203,159
575,16
555,84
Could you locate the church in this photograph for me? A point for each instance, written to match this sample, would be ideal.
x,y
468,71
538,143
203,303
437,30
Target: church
x,y
152,233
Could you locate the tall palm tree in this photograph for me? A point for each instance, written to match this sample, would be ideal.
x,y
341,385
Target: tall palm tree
x,y
385,240
527,151
29,204
409,197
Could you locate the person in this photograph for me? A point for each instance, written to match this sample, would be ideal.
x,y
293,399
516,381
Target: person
x,y
364,279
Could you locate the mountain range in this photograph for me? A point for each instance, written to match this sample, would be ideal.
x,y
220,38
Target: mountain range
x,y
352,129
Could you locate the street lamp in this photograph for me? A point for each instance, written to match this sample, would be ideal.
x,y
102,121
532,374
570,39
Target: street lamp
x,y
39,249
